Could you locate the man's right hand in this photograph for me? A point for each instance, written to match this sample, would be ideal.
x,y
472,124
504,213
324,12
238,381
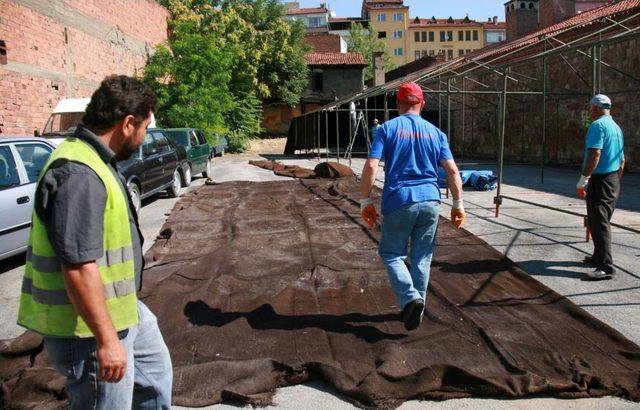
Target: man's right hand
x,y
457,213
112,361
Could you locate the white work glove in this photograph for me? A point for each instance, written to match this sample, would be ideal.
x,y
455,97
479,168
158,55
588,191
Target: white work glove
x,y
581,186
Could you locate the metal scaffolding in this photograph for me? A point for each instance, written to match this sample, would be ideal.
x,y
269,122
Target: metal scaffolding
x,y
492,73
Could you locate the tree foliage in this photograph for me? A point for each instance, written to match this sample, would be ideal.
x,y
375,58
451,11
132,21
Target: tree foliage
x,y
367,42
224,58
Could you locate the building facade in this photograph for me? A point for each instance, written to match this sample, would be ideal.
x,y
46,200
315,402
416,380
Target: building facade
x,y
450,38
62,49
390,20
314,19
522,17
494,31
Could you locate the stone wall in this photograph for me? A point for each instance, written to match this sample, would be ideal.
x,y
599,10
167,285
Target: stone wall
x,y
63,48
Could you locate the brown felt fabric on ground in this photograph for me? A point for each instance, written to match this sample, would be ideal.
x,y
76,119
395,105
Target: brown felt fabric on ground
x,y
261,285
330,170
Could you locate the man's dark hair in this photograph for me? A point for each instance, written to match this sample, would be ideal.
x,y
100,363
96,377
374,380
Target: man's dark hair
x,y
117,97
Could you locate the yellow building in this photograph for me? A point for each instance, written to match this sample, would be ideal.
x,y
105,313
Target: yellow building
x,y
450,37
390,19
409,39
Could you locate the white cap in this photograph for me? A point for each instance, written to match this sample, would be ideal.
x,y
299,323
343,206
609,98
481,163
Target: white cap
x,y
601,101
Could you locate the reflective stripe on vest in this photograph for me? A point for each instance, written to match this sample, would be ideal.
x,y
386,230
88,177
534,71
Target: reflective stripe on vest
x,y
53,264
60,297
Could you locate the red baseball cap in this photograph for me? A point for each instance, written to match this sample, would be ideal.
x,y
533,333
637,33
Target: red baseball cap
x,y
410,93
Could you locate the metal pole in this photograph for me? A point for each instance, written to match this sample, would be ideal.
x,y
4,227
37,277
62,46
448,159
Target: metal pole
x,y
326,130
600,66
386,107
337,137
463,122
439,105
318,134
449,110
544,117
503,111
594,71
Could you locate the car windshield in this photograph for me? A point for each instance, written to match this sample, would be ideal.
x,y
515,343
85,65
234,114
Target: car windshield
x,y
179,137
64,123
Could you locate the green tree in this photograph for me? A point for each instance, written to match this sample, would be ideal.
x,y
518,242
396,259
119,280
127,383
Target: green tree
x,y
367,42
224,58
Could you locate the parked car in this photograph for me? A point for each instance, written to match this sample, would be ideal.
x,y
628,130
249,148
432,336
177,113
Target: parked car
x,y
156,166
197,148
21,161
66,116
219,149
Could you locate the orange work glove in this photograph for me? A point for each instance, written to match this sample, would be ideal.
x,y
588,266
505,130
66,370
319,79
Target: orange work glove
x,y
457,213
368,212
581,186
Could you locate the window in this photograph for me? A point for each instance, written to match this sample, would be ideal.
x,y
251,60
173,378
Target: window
x,y
443,36
193,138
417,55
382,17
149,146
34,157
475,35
315,22
432,53
460,52
531,6
318,80
3,52
468,51
523,6
449,54
424,36
397,34
468,35
161,140
460,35
8,170
424,53
416,36
449,35
382,34
398,52
201,138
432,36
398,17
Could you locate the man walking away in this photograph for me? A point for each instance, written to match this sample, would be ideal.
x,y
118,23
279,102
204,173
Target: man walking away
x,y
600,183
412,149
375,127
84,262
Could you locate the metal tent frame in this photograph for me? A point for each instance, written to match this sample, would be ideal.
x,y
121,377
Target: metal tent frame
x,y
492,72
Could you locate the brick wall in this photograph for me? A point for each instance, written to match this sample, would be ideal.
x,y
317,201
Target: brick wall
x,y
63,49
554,11
521,22
565,126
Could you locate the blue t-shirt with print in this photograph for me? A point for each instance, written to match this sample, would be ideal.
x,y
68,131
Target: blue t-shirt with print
x,y
604,134
412,149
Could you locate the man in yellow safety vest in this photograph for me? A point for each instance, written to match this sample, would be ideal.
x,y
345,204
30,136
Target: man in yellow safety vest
x,y
84,261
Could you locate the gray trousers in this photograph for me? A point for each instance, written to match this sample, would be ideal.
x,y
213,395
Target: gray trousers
x,y
602,194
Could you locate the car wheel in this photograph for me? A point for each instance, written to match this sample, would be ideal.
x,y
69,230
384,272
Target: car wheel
x,y
208,173
186,176
174,190
220,154
134,192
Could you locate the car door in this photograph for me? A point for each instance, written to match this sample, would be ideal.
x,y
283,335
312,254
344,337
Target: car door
x,y
203,149
168,155
17,189
193,153
151,177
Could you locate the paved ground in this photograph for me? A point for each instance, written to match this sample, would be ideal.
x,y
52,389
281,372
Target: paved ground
x,y
546,243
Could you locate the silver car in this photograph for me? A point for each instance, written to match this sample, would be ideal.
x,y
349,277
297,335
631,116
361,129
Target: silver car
x,y
21,160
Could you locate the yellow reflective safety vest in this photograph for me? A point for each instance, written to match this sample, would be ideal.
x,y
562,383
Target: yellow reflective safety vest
x,y
44,304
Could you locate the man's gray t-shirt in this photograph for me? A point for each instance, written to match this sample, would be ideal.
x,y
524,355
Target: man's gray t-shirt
x,y
70,201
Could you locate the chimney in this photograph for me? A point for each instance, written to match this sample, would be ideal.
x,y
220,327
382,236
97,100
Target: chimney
x,y
495,19
378,68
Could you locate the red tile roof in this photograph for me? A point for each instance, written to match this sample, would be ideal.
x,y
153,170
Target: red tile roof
x,y
495,26
441,22
316,10
335,59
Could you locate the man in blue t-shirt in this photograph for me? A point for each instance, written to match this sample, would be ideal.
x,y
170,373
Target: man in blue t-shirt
x,y
600,182
412,149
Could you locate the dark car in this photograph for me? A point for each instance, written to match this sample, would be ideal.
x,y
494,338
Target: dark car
x,y
220,146
157,165
198,150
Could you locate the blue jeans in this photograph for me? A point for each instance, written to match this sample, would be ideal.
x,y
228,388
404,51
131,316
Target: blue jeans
x,y
417,222
146,383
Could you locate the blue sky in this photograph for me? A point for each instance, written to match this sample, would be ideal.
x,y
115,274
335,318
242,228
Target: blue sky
x,y
477,9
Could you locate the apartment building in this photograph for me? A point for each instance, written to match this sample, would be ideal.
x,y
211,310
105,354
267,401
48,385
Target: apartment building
x,y
390,19
450,37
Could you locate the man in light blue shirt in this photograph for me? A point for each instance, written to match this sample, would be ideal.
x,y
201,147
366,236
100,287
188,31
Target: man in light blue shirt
x,y
600,182
412,149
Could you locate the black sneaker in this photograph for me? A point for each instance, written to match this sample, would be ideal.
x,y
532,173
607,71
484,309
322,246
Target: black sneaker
x,y
412,314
